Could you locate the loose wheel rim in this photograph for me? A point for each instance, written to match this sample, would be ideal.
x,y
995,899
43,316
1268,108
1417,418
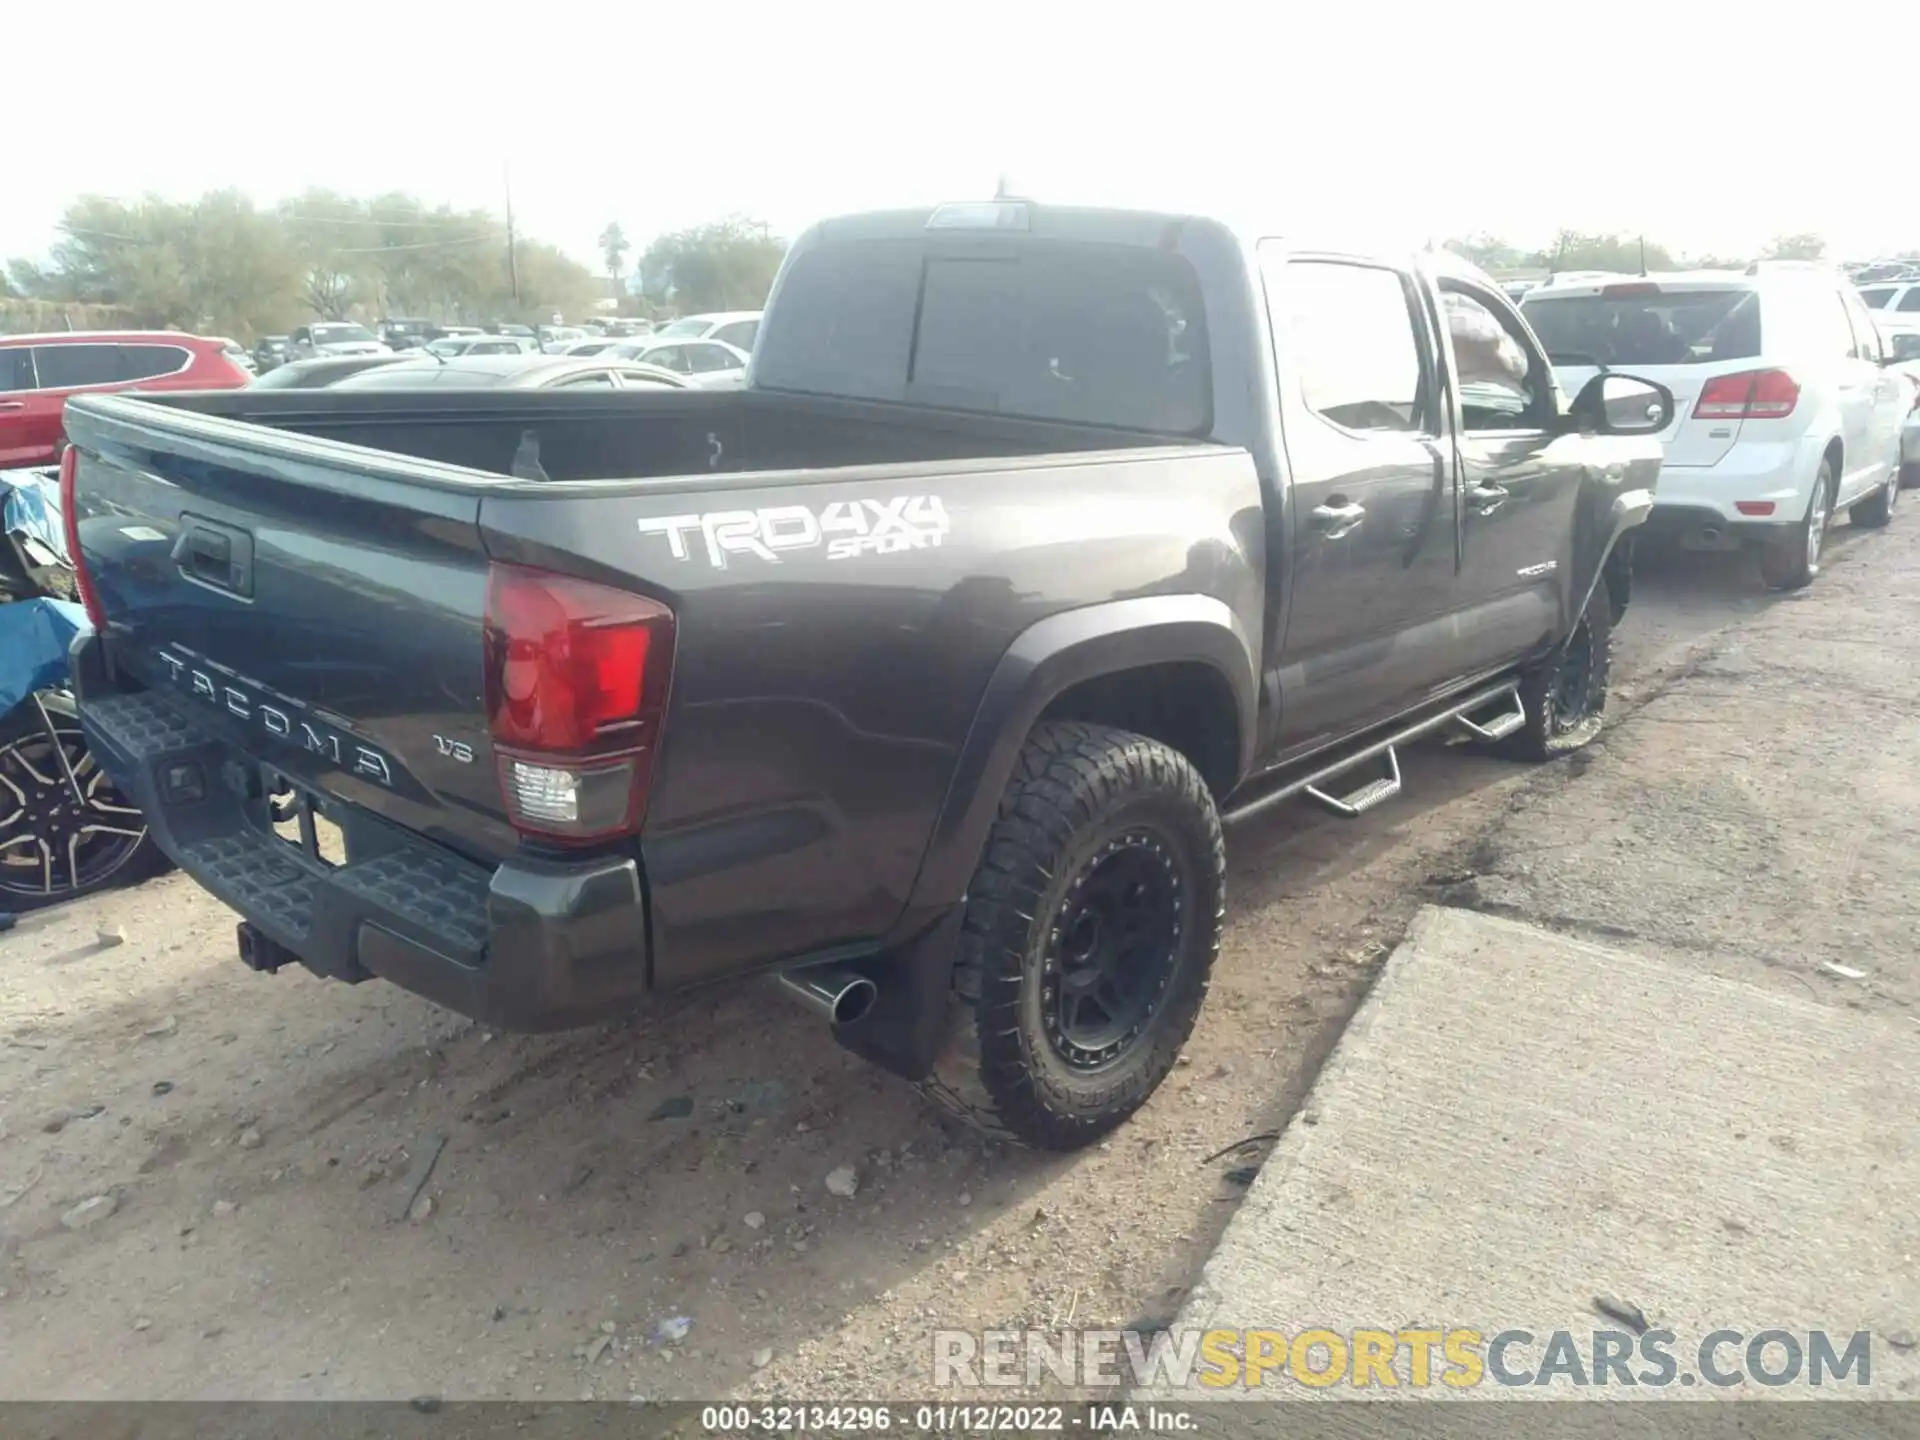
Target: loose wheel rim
x,y
1111,950
52,841
1573,685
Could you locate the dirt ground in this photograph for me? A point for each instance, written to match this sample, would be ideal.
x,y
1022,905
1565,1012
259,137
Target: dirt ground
x,y
206,1175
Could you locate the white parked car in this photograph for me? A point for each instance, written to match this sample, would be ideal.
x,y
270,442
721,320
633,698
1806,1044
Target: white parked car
x,y
447,347
738,328
1895,305
707,364
1786,410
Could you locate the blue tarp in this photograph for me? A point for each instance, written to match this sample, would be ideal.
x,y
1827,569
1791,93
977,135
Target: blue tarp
x,y
33,507
34,636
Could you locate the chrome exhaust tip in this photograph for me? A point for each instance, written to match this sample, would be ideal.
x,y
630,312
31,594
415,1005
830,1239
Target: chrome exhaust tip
x,y
841,995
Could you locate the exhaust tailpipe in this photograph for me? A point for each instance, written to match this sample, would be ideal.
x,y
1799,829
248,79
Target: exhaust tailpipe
x,y
841,995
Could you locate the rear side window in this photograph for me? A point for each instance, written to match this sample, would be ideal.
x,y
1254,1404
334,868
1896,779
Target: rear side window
x,y
143,362
1642,325
62,367
710,357
16,368
741,332
1087,333
1910,301
1349,329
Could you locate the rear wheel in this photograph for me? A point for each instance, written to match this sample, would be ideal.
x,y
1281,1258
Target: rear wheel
x,y
1091,929
1793,560
61,839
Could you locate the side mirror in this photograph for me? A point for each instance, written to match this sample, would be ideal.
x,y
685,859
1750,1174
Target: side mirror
x,y
1901,348
1614,404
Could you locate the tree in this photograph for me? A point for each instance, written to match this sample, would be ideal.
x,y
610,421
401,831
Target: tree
x,y
614,246
723,265
1795,247
1576,250
1490,254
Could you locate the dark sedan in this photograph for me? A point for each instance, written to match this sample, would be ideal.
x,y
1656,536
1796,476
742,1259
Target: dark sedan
x,y
325,370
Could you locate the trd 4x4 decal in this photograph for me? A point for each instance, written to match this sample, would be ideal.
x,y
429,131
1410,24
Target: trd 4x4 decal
x,y
847,528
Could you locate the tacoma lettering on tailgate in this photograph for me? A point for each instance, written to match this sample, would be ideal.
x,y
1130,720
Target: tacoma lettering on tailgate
x,y
234,694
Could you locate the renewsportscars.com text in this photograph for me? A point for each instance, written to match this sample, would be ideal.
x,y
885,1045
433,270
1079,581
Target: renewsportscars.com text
x,y
1457,1358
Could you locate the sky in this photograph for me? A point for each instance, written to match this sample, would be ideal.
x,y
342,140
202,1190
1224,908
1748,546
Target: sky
x,y
1708,129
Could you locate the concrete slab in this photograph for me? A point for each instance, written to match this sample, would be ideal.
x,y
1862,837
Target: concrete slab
x,y
1518,1123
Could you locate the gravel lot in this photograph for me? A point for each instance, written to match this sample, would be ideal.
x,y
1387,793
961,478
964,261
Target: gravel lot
x,y
643,1209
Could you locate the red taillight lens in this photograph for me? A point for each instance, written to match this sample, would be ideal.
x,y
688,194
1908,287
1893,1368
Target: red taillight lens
x,y
576,677
1750,395
1754,507
70,525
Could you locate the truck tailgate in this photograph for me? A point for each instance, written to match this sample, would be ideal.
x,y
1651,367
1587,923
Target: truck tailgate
x,y
321,605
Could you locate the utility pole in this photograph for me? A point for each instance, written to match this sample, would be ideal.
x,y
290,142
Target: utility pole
x,y
513,273
1643,254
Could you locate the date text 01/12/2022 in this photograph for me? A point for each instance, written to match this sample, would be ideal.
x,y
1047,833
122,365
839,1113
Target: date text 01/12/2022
x,y
1096,1418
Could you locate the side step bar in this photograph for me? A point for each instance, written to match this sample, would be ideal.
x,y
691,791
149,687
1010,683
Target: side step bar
x,y
1458,714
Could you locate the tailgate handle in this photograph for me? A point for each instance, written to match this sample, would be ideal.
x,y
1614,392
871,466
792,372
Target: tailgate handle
x,y
216,555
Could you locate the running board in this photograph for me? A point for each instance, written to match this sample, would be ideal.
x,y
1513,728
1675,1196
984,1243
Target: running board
x,y
1498,728
1366,797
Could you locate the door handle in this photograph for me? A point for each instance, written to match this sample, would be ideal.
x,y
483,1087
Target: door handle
x,y
1336,520
1486,498
215,555
13,404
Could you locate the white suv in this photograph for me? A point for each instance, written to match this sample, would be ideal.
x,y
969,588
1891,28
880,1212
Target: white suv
x,y
1785,409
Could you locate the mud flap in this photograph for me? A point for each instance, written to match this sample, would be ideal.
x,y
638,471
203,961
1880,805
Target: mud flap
x,y
904,1029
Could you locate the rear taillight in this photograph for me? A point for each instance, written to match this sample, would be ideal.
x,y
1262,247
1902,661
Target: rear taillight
x,y
70,525
576,677
1750,395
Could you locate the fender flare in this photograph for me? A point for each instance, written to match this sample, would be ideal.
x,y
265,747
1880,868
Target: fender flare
x,y
1044,661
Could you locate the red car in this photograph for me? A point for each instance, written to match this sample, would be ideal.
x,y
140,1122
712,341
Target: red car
x,y
38,372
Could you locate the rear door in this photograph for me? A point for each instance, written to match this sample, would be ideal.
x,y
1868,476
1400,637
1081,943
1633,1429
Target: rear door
x,y
1372,566
1891,394
29,421
1519,479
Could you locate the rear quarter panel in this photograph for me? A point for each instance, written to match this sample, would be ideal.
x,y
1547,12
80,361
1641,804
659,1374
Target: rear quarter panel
x,y
822,690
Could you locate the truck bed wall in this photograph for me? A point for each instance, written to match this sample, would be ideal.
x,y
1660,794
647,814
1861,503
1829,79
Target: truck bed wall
x,y
607,435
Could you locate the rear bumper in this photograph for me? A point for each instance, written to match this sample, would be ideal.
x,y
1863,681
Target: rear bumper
x,y
527,945
1779,473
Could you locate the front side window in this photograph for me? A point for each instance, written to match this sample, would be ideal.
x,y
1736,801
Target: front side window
x,y
1501,387
16,368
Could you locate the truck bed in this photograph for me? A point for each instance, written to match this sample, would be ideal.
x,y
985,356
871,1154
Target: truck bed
x,y
632,435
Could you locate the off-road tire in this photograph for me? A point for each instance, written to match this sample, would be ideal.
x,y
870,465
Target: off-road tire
x,y
1877,509
1545,689
1792,562
1076,792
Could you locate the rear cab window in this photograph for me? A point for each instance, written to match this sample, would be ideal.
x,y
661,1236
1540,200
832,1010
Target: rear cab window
x,y
1641,323
1043,329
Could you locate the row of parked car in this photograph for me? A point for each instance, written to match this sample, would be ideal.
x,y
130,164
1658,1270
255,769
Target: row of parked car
x,y
39,372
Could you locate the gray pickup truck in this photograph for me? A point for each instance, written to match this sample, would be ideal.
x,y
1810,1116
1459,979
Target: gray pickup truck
x,y
922,673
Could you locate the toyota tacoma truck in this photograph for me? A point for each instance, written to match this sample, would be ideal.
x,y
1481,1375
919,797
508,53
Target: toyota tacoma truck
x,y
921,674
